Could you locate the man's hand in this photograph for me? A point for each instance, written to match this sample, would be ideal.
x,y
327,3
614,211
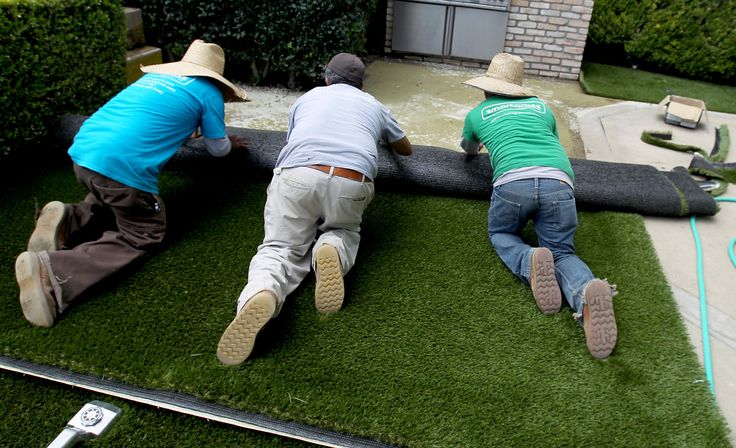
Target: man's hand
x,y
237,142
402,146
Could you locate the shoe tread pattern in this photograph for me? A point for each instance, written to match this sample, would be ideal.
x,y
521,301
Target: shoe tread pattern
x,y
237,342
544,285
46,236
329,291
33,302
600,327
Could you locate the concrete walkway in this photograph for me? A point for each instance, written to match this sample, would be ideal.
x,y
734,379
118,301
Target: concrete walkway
x,y
430,103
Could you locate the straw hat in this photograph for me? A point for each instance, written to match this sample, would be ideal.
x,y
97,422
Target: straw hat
x,y
201,59
504,77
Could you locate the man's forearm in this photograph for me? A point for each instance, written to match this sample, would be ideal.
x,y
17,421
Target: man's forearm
x,y
472,148
218,147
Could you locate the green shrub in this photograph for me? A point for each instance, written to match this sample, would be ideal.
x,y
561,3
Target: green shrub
x,y
613,23
689,38
273,41
57,56
694,38
618,21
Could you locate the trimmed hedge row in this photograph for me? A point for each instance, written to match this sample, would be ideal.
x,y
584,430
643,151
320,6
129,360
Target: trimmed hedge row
x,y
267,42
690,38
57,56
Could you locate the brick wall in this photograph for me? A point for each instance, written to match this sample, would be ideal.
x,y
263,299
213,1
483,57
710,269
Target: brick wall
x,y
550,35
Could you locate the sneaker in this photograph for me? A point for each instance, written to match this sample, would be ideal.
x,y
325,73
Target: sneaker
x,y
50,229
544,285
330,289
599,322
239,337
36,301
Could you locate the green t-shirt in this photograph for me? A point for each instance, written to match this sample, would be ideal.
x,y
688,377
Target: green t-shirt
x,y
518,133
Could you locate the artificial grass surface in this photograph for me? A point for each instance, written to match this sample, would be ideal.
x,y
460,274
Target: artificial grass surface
x,y
648,87
38,411
437,345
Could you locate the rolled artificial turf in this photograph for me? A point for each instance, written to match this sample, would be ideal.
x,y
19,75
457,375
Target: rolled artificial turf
x,y
438,344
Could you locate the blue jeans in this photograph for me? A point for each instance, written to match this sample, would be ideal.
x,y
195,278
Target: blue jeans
x,y
550,203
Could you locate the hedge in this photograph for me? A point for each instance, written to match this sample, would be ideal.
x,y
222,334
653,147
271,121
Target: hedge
x,y
689,38
57,56
266,42
695,38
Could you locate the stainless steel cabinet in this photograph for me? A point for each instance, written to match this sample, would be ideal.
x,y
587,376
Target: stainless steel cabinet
x,y
463,29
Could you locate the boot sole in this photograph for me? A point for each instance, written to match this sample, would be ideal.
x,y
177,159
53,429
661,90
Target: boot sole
x,y
329,292
544,285
46,234
237,342
599,325
33,300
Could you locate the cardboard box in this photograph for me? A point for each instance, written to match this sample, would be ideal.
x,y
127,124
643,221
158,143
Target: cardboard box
x,y
683,111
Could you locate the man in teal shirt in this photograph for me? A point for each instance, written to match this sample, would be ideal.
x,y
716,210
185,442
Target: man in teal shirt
x,y
118,154
533,179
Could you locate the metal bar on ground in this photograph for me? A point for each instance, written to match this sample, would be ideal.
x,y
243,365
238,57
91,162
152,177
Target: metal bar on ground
x,y
189,405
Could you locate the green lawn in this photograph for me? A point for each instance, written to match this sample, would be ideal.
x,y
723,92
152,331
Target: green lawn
x,y
638,85
437,345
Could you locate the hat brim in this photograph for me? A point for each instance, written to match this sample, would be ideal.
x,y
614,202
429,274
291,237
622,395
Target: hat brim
x,y
183,68
498,87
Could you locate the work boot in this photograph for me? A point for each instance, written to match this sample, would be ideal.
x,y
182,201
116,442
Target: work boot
x,y
543,281
599,323
36,296
239,337
329,291
50,230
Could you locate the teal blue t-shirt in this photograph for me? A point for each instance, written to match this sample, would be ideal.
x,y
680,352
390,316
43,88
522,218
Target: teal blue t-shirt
x,y
133,135
518,133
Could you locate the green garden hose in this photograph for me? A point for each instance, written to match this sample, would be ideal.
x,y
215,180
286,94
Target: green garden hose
x,y
703,300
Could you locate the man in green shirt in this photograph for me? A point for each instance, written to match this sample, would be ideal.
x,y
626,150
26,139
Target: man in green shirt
x,y
533,179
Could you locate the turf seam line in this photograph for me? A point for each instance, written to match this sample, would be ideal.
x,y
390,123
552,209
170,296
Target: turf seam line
x,y
189,405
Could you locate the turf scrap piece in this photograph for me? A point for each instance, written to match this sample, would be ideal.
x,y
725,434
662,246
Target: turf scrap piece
x,y
713,170
711,166
432,170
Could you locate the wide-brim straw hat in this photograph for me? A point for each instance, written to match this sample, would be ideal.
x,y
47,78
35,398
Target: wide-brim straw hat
x,y
504,77
201,59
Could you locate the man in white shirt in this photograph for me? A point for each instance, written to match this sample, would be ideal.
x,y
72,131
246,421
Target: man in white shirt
x,y
322,184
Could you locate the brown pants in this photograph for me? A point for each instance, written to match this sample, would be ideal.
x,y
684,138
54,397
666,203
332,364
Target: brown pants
x,y
112,227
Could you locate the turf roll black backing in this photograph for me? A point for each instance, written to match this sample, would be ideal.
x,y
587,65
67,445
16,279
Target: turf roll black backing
x,y
432,170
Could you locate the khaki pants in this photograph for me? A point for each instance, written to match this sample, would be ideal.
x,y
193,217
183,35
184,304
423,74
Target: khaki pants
x,y
113,226
302,202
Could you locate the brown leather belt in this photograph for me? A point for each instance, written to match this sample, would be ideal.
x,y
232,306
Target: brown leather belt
x,y
342,172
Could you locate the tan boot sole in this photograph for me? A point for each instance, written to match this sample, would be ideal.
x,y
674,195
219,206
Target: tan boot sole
x,y
329,291
33,300
237,342
46,234
544,285
599,322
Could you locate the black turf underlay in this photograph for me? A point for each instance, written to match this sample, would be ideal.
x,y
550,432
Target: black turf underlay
x,y
433,170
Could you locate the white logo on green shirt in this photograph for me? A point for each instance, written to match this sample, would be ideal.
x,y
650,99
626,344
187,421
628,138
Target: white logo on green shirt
x,y
496,111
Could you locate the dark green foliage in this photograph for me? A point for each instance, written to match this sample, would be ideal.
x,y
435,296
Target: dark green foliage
x,y
274,41
618,21
690,38
696,39
56,57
